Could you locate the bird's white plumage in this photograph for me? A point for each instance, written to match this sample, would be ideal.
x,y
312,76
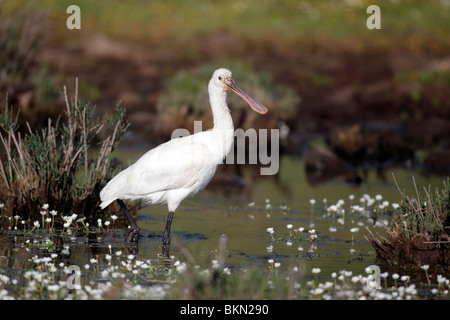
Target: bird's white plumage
x,y
181,167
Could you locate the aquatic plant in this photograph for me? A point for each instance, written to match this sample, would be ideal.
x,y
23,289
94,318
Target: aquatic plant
x,y
419,232
55,166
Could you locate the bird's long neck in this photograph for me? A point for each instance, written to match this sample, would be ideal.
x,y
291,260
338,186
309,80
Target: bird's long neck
x,y
223,123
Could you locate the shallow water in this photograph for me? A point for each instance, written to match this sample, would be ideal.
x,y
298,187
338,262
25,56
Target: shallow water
x,y
201,221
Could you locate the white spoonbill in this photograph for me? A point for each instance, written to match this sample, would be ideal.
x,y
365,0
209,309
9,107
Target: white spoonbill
x,y
183,166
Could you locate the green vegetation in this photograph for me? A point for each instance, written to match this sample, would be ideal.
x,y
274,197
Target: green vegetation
x,y
54,167
426,77
147,19
424,214
419,233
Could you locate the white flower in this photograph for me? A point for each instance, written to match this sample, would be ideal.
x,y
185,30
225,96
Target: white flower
x,y
347,273
316,270
354,229
37,224
114,217
53,287
138,263
43,213
53,212
45,206
277,265
180,266
289,226
270,261
425,267
312,201
317,291
333,208
270,230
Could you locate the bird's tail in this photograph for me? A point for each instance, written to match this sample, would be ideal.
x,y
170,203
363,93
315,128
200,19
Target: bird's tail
x,y
104,204
112,190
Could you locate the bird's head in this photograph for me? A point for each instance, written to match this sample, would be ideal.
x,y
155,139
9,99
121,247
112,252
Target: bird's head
x,y
222,80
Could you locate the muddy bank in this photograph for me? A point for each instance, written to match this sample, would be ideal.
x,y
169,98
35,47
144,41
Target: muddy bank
x,y
421,250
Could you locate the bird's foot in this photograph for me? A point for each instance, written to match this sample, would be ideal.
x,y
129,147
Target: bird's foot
x,y
133,235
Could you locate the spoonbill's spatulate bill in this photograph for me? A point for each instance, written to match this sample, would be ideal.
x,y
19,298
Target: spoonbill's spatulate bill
x,y
183,166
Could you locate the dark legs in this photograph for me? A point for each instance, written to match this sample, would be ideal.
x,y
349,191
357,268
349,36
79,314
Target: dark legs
x,y
166,235
133,235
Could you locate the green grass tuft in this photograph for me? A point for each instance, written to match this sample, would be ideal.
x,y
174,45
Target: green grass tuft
x,y
55,166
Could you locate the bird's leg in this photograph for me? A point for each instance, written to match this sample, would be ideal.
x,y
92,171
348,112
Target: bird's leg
x,y
166,235
133,235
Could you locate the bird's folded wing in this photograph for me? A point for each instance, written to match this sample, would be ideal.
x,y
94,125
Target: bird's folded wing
x,y
167,167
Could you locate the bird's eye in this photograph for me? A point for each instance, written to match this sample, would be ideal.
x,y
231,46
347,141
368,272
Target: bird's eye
x,y
220,78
